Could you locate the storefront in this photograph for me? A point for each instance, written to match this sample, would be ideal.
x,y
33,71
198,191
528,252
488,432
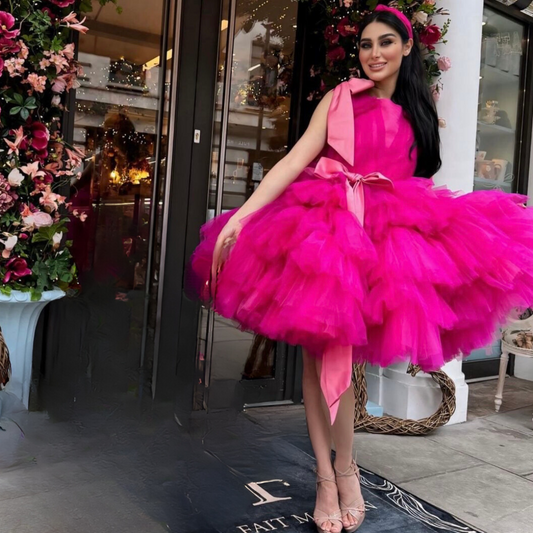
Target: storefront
x,y
505,121
182,110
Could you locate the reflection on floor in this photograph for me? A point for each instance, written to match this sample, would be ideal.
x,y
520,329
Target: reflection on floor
x,y
109,462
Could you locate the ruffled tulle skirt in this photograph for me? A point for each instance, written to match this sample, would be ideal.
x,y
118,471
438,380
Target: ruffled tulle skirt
x,y
430,276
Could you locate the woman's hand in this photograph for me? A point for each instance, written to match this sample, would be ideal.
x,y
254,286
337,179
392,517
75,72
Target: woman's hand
x,y
227,237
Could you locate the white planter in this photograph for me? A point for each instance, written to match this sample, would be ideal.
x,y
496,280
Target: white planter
x,y
18,320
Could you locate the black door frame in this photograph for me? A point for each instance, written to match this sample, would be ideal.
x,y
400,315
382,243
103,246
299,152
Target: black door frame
x,y
186,201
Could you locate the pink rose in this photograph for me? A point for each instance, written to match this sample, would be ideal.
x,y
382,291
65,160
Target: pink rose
x,y
16,268
40,219
444,63
336,54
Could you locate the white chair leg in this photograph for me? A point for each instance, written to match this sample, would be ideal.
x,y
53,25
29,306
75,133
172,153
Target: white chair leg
x,y
501,379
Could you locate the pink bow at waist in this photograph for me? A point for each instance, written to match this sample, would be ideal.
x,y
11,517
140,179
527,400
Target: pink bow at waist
x,y
328,168
336,372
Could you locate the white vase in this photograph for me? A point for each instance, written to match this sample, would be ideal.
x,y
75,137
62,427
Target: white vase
x,y
18,320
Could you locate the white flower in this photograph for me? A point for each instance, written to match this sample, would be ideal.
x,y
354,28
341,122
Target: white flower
x,y
15,177
420,17
9,244
57,239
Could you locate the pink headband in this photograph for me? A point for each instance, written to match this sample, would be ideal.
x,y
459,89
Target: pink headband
x,y
400,15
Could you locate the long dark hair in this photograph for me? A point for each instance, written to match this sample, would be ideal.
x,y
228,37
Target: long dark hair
x,y
413,94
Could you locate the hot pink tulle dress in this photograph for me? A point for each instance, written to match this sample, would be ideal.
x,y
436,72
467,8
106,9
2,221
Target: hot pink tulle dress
x,y
358,260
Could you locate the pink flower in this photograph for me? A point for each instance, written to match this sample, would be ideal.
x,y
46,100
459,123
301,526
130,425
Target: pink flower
x,y
19,137
39,138
63,3
435,93
15,66
40,219
71,18
32,170
68,51
444,63
336,54
348,3
7,21
50,200
64,81
7,197
38,83
73,23
16,268
44,63
9,244
60,62
430,36
24,50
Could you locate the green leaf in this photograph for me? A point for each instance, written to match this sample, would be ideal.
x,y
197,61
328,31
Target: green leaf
x,y
5,289
36,295
24,113
15,110
19,98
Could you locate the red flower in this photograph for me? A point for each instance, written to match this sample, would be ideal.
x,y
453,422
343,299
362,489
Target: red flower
x,y
430,36
331,35
16,268
6,23
62,3
345,28
7,46
336,54
39,138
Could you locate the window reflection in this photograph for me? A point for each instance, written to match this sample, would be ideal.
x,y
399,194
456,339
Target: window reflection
x,y
498,114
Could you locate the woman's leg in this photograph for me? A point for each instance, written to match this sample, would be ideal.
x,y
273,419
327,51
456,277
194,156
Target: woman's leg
x,y
327,499
342,433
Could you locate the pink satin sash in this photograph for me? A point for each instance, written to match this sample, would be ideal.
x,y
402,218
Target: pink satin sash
x,y
336,371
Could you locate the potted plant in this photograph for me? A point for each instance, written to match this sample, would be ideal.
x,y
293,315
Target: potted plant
x,y
37,69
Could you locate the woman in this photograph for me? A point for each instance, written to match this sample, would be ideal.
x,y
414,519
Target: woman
x,y
345,252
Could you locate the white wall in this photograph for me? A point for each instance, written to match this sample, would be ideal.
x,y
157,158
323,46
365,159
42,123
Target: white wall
x,y
459,101
398,394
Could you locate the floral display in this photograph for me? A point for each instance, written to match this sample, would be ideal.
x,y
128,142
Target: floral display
x,y
37,68
337,25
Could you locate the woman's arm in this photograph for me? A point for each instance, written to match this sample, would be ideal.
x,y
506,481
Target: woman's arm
x,y
278,179
291,166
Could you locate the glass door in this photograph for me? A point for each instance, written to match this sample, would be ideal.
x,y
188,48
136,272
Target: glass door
x,y
500,133
501,80
120,122
251,131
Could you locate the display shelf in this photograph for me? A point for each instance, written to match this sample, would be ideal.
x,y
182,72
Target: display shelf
x,y
494,77
494,129
483,184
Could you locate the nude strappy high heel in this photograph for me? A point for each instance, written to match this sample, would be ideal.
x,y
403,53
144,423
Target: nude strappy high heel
x,y
320,517
356,508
